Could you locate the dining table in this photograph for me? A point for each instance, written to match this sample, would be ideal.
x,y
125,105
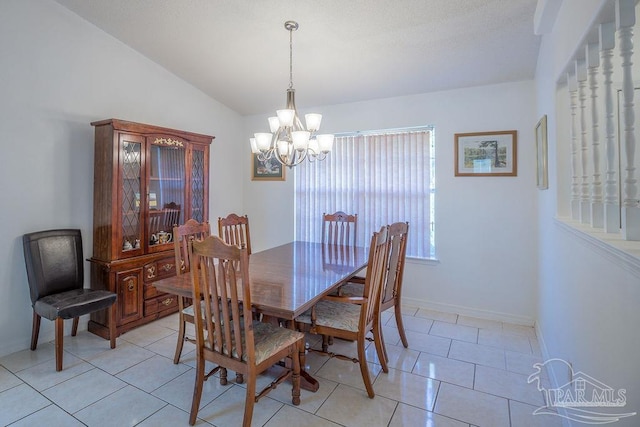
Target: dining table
x,y
289,279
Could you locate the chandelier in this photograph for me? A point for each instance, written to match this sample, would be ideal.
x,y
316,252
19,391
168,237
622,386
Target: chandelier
x,y
289,142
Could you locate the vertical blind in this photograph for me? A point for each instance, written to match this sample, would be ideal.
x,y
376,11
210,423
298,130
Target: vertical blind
x,y
384,178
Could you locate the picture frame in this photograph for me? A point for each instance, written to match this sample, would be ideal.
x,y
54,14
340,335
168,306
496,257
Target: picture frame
x,y
486,153
542,168
269,170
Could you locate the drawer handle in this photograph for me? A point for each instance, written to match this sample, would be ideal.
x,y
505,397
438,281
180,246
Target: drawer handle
x,y
167,301
151,272
167,267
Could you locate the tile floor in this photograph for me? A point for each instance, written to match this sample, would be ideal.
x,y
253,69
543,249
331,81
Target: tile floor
x,y
458,371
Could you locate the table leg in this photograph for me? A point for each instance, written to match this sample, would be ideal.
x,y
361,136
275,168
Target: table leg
x,y
307,382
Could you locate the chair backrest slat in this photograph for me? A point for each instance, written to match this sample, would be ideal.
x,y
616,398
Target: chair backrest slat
x,y
170,215
234,230
339,228
398,233
376,273
191,229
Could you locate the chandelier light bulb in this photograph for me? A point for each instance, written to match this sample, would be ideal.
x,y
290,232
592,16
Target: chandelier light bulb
x,y
263,141
313,121
300,139
274,124
254,146
286,117
283,148
325,142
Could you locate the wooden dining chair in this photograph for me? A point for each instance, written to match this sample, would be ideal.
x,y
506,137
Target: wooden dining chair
x,y
226,333
339,228
391,295
351,318
191,229
234,230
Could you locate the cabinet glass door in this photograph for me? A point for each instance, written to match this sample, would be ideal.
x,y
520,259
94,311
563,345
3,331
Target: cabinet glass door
x,y
131,150
166,196
198,165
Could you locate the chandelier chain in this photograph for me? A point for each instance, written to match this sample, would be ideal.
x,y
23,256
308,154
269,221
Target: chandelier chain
x,y
291,57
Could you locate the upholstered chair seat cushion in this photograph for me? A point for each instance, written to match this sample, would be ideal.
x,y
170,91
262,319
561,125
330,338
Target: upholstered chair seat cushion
x,y
268,339
338,315
352,290
73,303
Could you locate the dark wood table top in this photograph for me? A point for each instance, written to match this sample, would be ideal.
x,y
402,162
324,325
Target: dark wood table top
x,y
288,280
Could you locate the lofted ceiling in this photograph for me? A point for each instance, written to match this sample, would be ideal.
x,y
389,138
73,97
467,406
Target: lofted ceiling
x,y
237,51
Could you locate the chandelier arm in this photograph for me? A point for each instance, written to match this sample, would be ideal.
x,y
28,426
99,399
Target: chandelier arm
x,y
295,159
320,157
263,157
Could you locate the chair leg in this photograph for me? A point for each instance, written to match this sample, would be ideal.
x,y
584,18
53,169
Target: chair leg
x,y
59,342
181,332
398,314
381,349
223,376
74,327
325,343
35,330
180,343
249,401
197,389
295,375
302,351
112,326
364,369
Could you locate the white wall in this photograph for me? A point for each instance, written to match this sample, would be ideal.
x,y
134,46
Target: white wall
x,y
587,300
57,74
485,226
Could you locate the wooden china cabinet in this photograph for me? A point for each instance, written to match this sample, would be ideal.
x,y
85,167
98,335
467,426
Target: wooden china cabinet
x,y
146,179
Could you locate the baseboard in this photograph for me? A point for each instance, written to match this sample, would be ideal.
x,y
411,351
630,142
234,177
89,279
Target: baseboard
x,y
552,374
47,334
16,345
470,311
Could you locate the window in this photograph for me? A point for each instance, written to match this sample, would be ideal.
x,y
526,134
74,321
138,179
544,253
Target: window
x,y
383,176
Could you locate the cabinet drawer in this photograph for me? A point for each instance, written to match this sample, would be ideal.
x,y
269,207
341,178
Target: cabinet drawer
x,y
151,291
160,269
160,303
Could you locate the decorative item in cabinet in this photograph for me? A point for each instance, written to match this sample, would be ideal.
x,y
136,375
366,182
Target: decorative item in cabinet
x,y
146,180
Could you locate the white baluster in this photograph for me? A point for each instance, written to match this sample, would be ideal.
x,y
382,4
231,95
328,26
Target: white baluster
x,y
611,206
572,85
625,20
592,58
585,201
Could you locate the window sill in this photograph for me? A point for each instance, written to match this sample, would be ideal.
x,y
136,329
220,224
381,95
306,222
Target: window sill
x,y
612,246
422,261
